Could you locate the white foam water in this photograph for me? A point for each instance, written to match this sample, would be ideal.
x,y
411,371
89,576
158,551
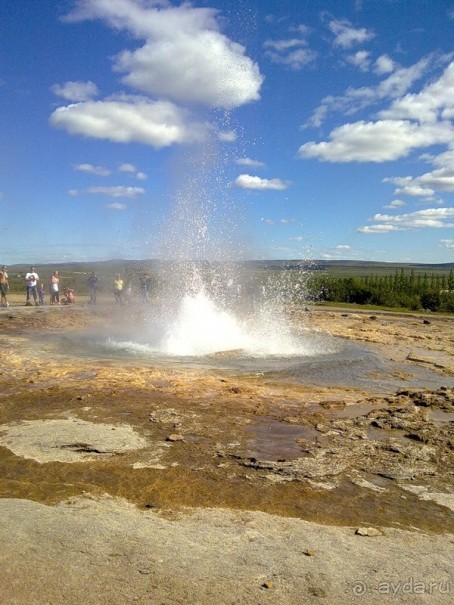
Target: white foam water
x,y
201,327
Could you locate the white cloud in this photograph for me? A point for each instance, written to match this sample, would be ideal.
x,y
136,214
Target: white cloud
x,y
267,221
434,102
430,218
395,204
360,60
132,170
384,65
249,162
297,238
127,168
442,160
227,136
246,181
448,243
377,229
116,206
159,124
185,58
292,52
356,99
90,169
342,247
380,141
346,36
76,91
440,179
117,191
414,191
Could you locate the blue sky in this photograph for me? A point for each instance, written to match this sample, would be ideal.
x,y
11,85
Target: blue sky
x,y
235,128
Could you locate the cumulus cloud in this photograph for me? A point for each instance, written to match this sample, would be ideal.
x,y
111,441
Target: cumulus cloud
x,y
76,91
346,36
116,191
159,124
360,60
383,65
127,168
414,191
246,181
395,204
249,162
448,243
343,247
434,102
90,169
184,57
356,99
380,141
441,179
377,229
430,218
132,170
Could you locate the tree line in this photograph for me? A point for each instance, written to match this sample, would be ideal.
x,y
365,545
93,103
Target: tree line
x,y
421,291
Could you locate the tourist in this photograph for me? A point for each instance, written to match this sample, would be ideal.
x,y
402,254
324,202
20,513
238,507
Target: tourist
x,y
31,279
41,293
93,281
69,296
145,283
54,282
118,289
4,287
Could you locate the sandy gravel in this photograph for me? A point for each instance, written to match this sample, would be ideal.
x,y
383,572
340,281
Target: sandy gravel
x,y
106,552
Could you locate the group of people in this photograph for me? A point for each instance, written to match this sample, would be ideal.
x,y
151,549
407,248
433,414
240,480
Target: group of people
x,y
36,291
122,294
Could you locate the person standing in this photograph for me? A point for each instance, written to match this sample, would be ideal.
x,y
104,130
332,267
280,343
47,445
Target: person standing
x,y
93,281
54,282
118,289
31,279
41,294
145,282
4,286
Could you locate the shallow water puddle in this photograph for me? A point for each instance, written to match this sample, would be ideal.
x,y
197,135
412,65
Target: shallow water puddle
x,y
274,440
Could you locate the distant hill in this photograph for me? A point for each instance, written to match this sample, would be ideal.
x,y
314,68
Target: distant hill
x,y
336,266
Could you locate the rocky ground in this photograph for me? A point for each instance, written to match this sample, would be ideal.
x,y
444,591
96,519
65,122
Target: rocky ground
x,y
123,483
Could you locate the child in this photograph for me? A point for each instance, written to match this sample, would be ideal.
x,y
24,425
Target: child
x,y
41,293
69,296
